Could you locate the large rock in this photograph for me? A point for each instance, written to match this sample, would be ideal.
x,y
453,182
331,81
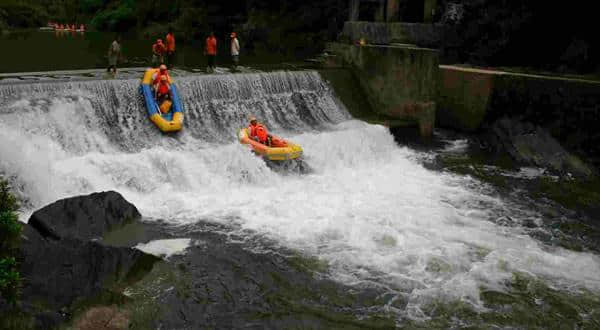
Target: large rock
x,y
84,217
63,265
60,272
531,145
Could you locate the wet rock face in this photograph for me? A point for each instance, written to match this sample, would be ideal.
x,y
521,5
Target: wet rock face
x,y
85,217
62,265
60,272
223,285
532,145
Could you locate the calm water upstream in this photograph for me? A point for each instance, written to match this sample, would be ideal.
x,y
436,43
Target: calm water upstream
x,y
35,50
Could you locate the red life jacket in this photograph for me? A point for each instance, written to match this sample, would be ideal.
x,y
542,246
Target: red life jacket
x,y
158,76
261,133
159,48
163,88
258,131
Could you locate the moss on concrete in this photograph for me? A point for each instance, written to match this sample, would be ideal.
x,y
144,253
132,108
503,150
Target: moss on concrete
x,y
464,97
568,108
398,82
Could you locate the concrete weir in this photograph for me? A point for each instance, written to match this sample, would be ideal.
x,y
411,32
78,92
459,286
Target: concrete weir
x,y
400,82
470,98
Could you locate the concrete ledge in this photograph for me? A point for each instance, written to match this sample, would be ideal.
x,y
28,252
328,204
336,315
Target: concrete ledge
x,y
570,108
421,34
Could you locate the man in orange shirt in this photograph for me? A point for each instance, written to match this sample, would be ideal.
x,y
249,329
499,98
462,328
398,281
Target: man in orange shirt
x,y
170,48
211,52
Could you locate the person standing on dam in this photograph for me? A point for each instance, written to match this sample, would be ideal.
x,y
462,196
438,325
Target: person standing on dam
x,y
158,51
235,51
211,52
114,52
170,39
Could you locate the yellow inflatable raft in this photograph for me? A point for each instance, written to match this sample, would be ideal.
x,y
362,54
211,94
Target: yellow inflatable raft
x,y
280,149
171,121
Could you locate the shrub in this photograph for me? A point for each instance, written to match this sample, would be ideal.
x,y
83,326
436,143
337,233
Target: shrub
x,y
10,230
18,14
10,279
121,18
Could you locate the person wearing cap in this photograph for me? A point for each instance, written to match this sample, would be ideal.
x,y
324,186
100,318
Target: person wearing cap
x,y
158,52
235,50
170,47
258,132
211,52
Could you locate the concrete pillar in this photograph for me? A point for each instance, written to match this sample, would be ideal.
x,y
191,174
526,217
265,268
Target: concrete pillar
x,y
354,10
393,10
429,10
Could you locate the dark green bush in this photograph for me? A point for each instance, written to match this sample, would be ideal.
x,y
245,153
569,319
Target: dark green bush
x,y
22,15
92,6
121,18
9,279
10,230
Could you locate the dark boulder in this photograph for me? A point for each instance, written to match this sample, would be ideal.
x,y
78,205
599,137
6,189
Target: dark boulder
x,y
64,262
531,145
84,217
60,272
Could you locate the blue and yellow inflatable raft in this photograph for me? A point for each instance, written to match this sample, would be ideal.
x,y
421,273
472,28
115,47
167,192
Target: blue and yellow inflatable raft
x,y
166,122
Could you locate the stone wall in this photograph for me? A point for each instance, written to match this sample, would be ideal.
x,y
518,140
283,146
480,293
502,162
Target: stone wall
x,y
464,97
399,82
420,34
470,99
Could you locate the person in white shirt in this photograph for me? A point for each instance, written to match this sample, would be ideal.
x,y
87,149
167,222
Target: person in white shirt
x,y
235,50
114,52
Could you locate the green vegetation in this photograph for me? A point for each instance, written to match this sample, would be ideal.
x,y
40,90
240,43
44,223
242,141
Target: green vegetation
x,y
21,14
282,26
10,230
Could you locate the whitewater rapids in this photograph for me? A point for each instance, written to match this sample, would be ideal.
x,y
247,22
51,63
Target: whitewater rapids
x,y
368,208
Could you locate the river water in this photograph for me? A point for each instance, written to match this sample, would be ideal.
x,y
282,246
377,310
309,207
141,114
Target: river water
x,y
369,208
35,50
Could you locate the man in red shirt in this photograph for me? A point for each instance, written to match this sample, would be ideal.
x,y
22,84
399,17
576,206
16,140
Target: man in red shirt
x,y
170,48
211,52
158,52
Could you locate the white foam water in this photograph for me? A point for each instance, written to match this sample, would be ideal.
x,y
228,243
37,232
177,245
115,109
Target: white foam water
x,y
368,208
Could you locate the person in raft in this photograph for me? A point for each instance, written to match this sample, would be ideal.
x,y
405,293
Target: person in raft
x,y
162,71
158,53
211,52
258,132
162,94
159,79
